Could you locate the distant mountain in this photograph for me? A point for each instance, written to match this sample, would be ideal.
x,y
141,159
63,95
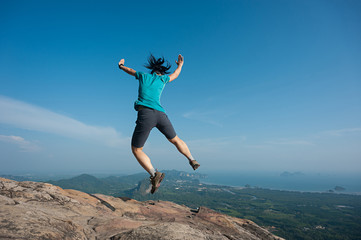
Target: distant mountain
x,y
110,185
122,185
16,178
188,182
339,188
291,174
84,182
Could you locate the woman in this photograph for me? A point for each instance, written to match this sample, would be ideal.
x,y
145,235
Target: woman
x,y
151,113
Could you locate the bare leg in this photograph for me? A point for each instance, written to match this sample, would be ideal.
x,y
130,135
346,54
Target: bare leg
x,y
143,159
182,147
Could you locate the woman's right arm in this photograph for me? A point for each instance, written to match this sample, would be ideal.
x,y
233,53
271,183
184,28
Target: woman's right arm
x,y
126,69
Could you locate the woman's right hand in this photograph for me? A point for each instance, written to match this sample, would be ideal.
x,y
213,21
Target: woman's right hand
x,y
180,60
121,62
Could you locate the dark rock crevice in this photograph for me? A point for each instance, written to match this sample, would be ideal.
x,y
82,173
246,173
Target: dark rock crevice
x,y
103,202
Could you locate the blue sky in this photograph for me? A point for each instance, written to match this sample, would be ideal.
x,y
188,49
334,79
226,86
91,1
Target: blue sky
x,y
266,85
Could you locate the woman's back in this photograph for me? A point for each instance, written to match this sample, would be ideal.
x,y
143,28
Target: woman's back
x,y
150,90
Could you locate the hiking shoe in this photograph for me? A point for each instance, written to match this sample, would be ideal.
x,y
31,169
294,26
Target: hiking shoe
x,y
155,181
194,164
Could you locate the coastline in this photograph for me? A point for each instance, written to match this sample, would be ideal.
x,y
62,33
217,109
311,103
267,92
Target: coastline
x,y
204,181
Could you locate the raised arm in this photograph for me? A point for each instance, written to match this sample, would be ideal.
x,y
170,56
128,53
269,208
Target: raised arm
x,y
126,69
176,73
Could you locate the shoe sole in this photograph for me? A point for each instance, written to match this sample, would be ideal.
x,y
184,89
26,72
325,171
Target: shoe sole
x,y
196,166
158,184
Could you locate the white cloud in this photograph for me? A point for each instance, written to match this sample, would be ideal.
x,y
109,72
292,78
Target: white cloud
x,y
231,140
289,142
24,145
205,117
219,145
343,131
257,146
31,117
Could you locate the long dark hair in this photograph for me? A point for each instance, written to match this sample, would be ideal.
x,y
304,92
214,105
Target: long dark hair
x,y
156,65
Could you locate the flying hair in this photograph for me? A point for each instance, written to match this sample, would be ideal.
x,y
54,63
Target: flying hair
x,y
156,65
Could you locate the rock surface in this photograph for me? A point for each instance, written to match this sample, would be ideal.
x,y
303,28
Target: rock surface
x,y
33,210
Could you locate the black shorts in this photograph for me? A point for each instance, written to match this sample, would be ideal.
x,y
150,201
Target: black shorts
x,y
148,119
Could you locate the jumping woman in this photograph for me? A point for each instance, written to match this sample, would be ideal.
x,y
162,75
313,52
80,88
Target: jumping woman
x,y
151,114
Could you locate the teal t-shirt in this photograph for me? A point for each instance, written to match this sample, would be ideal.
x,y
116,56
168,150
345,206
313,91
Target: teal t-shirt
x,y
150,89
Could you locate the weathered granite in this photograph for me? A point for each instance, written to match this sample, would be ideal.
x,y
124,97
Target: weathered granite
x,y
33,210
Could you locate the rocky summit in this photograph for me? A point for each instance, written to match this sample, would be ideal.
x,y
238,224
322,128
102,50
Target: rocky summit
x,y
35,210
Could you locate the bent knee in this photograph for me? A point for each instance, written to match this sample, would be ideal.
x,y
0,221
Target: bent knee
x,y
174,140
136,149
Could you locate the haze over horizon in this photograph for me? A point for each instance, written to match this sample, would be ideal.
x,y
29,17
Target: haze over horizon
x,y
266,85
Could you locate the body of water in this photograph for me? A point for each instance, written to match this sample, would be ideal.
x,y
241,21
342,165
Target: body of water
x,y
305,182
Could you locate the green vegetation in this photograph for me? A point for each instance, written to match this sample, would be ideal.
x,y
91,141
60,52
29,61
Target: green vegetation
x,y
292,215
